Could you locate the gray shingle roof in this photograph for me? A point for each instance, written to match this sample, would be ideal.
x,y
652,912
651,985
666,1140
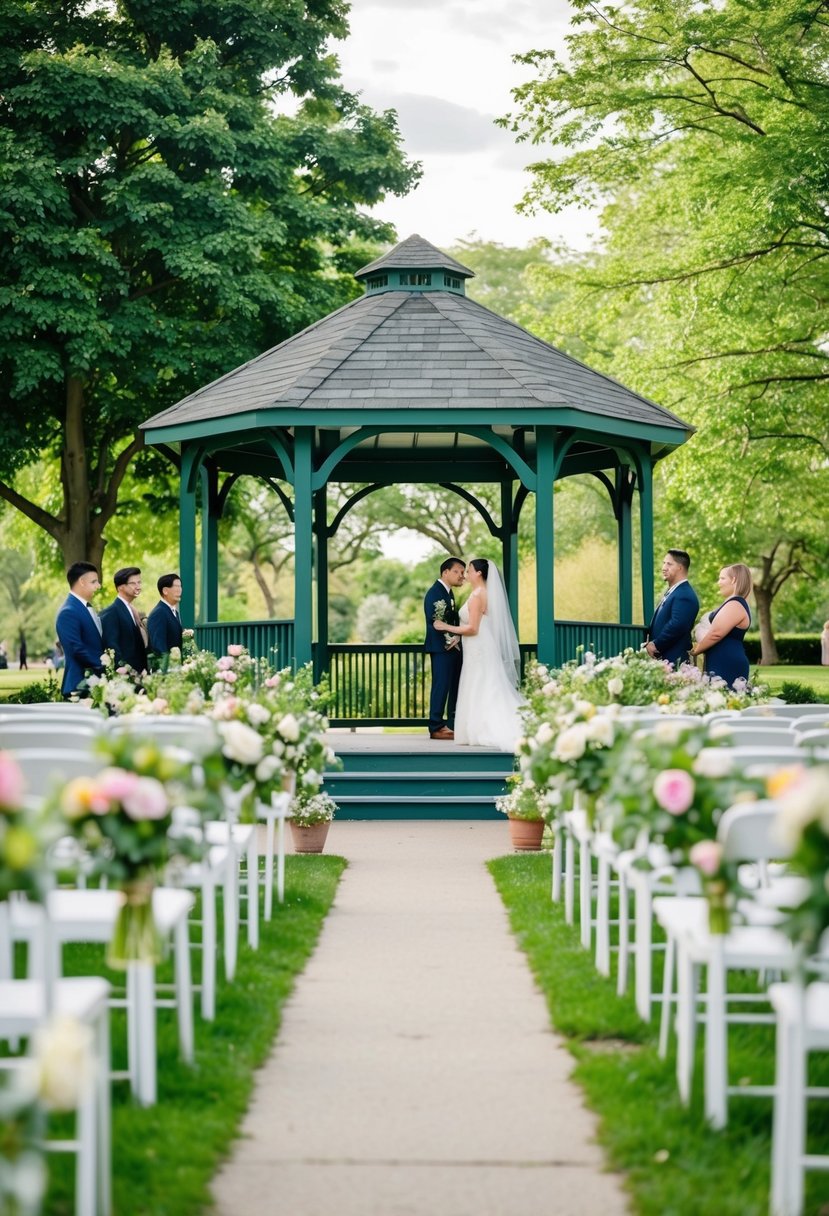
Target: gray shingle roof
x,y
402,350
415,254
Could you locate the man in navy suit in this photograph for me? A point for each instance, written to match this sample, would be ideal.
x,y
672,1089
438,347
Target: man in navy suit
x,y
446,660
123,631
78,627
164,623
673,620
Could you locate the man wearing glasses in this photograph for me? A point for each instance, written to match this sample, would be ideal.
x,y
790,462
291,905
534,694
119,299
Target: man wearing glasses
x,y
122,629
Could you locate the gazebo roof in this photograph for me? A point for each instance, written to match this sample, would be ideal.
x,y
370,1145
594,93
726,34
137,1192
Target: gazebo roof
x,y
432,353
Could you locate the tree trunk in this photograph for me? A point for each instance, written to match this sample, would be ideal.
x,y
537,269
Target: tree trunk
x,y
768,647
74,537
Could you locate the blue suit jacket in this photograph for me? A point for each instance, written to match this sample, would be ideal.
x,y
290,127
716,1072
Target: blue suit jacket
x,y
164,629
435,640
81,642
670,629
122,635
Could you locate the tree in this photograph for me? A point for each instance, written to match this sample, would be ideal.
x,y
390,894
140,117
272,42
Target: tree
x,y
179,188
703,128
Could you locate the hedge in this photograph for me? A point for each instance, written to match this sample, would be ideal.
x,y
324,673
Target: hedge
x,y
796,649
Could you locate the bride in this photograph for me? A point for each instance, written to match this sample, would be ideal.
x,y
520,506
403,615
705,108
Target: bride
x,y
488,697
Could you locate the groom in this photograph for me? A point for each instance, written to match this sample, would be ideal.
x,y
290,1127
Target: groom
x,y
446,659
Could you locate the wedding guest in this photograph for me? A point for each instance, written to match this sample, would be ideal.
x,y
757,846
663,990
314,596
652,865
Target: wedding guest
x,y
164,623
824,645
79,627
670,628
123,631
722,645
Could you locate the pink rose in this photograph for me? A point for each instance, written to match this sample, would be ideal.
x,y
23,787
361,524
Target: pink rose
x,y
116,784
224,663
147,801
272,682
673,789
236,650
12,784
706,855
229,677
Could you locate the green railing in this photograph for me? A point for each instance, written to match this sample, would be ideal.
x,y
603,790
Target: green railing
x,y
389,685
271,640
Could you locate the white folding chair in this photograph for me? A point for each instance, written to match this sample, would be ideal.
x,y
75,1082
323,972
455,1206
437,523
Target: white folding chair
x,y
757,732
23,1009
792,712
193,734
809,722
45,768
746,835
809,739
802,1028
59,736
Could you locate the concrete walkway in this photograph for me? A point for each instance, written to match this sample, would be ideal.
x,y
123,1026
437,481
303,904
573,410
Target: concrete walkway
x,y
415,1073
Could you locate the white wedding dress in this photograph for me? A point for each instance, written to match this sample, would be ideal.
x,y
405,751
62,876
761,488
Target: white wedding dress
x,y
488,701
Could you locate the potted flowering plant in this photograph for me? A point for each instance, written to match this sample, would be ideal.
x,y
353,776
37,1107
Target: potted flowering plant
x,y
525,818
311,816
122,815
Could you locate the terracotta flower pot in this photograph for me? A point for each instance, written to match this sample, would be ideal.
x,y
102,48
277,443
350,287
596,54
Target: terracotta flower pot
x,y
525,834
309,838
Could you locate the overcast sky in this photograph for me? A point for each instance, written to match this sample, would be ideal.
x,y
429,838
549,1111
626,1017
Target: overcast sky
x,y
446,67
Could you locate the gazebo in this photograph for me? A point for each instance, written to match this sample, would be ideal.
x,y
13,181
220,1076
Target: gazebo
x,y
413,383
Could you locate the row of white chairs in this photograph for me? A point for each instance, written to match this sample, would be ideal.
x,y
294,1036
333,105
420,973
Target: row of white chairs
x,y
672,899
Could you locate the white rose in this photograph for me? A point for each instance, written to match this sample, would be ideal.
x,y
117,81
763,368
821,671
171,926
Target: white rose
x,y
600,730
713,762
666,732
544,734
715,700
240,742
571,743
63,1054
311,778
257,714
267,767
615,686
288,728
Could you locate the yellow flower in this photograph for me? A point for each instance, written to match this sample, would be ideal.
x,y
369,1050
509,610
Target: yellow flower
x,y
782,779
78,796
663,699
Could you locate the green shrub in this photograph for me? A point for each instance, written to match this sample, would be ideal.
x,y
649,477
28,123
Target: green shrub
x,y
795,649
34,694
795,693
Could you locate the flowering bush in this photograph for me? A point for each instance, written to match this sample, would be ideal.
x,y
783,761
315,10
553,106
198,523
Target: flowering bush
x,y
634,678
567,751
21,848
314,808
803,828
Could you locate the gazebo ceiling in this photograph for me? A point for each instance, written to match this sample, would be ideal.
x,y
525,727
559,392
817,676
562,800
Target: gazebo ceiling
x,y
423,364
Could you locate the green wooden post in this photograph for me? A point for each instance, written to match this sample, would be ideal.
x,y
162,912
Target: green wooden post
x,y
509,548
624,530
321,554
544,544
303,548
209,543
646,514
187,535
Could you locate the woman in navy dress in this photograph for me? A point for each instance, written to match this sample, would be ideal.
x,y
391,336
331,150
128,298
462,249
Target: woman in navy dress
x,y
722,642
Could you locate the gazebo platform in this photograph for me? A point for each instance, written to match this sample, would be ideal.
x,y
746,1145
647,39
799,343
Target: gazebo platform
x,y
407,775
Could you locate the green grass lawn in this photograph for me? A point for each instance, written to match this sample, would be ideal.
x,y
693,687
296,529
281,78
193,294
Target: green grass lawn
x,y
165,1156
674,1164
816,677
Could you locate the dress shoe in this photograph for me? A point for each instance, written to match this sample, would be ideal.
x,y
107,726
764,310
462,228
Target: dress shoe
x,y
444,733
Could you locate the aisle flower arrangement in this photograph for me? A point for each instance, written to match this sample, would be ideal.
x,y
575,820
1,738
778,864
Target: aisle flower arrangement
x,y
567,751
803,828
21,840
122,817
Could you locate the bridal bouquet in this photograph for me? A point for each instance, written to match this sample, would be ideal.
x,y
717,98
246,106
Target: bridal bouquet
x,y
441,607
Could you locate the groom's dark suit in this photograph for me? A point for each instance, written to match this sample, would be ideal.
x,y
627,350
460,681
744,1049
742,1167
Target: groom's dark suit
x,y
670,629
82,643
446,664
